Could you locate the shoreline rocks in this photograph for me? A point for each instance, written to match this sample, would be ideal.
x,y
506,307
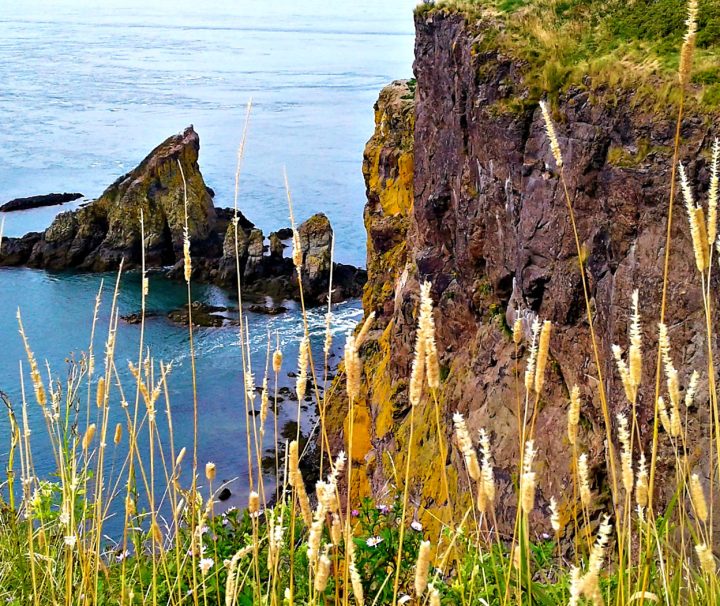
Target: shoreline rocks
x,y
38,201
107,232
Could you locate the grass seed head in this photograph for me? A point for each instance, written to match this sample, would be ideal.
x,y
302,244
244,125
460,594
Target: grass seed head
x,y
641,486
323,572
353,368
554,515
517,331
542,355
88,437
100,393
573,414
277,361
422,568
552,136
697,495
713,194
466,446
253,502
688,47
584,474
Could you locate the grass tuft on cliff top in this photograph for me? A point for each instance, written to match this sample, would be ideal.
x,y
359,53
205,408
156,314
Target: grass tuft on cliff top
x,y
631,44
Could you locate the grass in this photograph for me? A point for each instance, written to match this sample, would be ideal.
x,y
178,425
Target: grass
x,y
317,545
629,45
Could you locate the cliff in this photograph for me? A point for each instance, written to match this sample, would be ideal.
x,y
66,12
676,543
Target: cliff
x,y
463,191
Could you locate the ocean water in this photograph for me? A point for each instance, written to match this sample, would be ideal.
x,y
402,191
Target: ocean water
x,y
90,88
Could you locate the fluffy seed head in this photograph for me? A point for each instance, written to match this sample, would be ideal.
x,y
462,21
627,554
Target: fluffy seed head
x,y
466,446
530,368
356,584
277,361
707,559
297,250
696,218
542,355
323,572
364,330
552,136
584,474
626,453
554,515
664,417
187,261
88,437
624,372
426,326
335,530
528,479
295,479
692,389
486,485
422,568
641,486
264,405
573,414
210,471
100,394
697,495
253,502
635,352
353,368
180,457
688,47
517,331
417,374
118,434
713,194
303,359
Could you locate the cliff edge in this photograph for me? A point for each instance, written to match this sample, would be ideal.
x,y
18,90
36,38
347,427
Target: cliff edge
x,y
483,217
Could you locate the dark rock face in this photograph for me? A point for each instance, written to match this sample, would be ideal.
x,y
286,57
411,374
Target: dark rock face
x,y
38,201
106,232
489,228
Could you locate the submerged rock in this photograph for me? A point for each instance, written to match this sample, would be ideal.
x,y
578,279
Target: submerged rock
x,y
269,310
38,201
202,315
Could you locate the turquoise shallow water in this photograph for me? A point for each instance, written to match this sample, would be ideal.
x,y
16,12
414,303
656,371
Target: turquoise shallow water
x,y
89,88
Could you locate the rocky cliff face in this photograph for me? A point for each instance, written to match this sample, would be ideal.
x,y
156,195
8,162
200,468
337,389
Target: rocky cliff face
x,y
484,219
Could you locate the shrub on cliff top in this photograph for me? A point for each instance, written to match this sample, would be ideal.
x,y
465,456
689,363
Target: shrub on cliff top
x,y
613,42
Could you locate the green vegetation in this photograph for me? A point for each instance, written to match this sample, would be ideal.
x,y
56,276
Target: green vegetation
x,y
611,543
630,44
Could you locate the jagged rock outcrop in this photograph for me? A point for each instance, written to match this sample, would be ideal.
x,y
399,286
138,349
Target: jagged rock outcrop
x,y
166,185
485,220
98,236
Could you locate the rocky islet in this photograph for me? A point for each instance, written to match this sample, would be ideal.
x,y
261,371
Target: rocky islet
x,y
165,186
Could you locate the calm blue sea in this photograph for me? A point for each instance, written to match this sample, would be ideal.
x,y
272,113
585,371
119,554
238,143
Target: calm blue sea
x,y
89,88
